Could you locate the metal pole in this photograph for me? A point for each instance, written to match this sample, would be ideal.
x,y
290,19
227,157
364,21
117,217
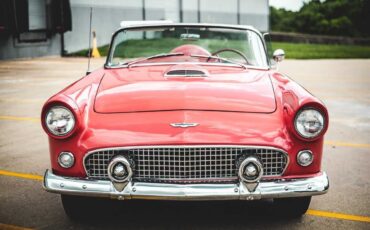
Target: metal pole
x,y
144,17
180,11
143,10
15,17
238,12
62,53
62,32
88,65
198,11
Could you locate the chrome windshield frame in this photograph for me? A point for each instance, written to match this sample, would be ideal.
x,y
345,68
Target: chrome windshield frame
x,y
190,25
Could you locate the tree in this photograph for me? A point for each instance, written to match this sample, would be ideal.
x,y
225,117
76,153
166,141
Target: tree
x,y
330,17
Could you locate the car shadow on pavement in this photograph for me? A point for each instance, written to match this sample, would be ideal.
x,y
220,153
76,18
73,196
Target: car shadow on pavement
x,y
137,214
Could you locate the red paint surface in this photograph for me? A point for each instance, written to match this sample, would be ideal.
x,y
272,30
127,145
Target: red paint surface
x,y
147,89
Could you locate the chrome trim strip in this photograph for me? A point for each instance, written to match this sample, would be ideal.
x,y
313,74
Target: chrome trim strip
x,y
193,180
269,189
191,63
194,146
186,75
183,125
164,23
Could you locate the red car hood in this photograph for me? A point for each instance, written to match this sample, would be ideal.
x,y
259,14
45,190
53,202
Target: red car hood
x,y
141,89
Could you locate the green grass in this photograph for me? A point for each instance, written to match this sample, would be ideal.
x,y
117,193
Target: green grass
x,y
292,50
319,51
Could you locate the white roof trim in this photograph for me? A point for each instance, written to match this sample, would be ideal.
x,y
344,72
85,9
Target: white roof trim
x,y
149,22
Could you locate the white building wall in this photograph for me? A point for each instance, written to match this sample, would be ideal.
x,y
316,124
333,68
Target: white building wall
x,y
106,18
219,11
162,9
255,13
108,14
190,10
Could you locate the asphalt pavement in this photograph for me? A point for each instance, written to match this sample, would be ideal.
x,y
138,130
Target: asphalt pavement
x,y
343,85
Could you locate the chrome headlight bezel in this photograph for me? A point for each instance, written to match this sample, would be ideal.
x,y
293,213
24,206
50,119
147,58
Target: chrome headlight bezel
x,y
300,129
62,163
310,160
70,123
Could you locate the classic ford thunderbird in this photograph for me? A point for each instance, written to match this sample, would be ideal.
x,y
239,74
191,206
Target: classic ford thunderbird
x,y
186,112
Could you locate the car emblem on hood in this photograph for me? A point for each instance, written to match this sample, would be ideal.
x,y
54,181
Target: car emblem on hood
x,y
184,125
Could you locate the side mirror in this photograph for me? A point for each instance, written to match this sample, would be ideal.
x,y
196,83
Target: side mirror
x,y
278,55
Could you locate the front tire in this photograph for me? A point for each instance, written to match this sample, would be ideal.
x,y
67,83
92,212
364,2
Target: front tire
x,y
292,207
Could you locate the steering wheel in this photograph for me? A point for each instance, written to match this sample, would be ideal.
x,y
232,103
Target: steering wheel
x,y
229,50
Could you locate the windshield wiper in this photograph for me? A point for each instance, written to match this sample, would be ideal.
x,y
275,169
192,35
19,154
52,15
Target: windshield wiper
x,y
128,64
220,58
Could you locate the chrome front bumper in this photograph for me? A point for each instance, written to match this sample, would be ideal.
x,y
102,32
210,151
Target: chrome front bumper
x,y
158,191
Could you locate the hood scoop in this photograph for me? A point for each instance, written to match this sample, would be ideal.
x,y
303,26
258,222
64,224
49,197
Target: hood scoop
x,y
186,71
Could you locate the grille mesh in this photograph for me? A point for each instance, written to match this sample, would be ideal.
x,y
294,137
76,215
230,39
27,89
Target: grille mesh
x,y
181,164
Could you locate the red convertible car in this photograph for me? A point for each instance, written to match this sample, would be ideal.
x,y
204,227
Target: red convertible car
x,y
186,112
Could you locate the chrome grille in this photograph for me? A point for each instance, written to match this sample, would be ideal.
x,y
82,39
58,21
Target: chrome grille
x,y
185,163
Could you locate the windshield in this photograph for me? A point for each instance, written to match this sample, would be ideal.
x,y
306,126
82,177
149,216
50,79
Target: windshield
x,y
187,44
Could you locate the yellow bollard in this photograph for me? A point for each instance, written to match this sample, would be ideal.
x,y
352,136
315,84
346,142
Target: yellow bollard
x,y
95,52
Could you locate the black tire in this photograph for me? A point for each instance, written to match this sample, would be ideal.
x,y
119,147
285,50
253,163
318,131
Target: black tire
x,y
78,208
292,207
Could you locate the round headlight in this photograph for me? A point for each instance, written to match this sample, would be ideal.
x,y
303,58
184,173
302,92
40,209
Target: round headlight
x,y
305,158
309,123
66,159
59,120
